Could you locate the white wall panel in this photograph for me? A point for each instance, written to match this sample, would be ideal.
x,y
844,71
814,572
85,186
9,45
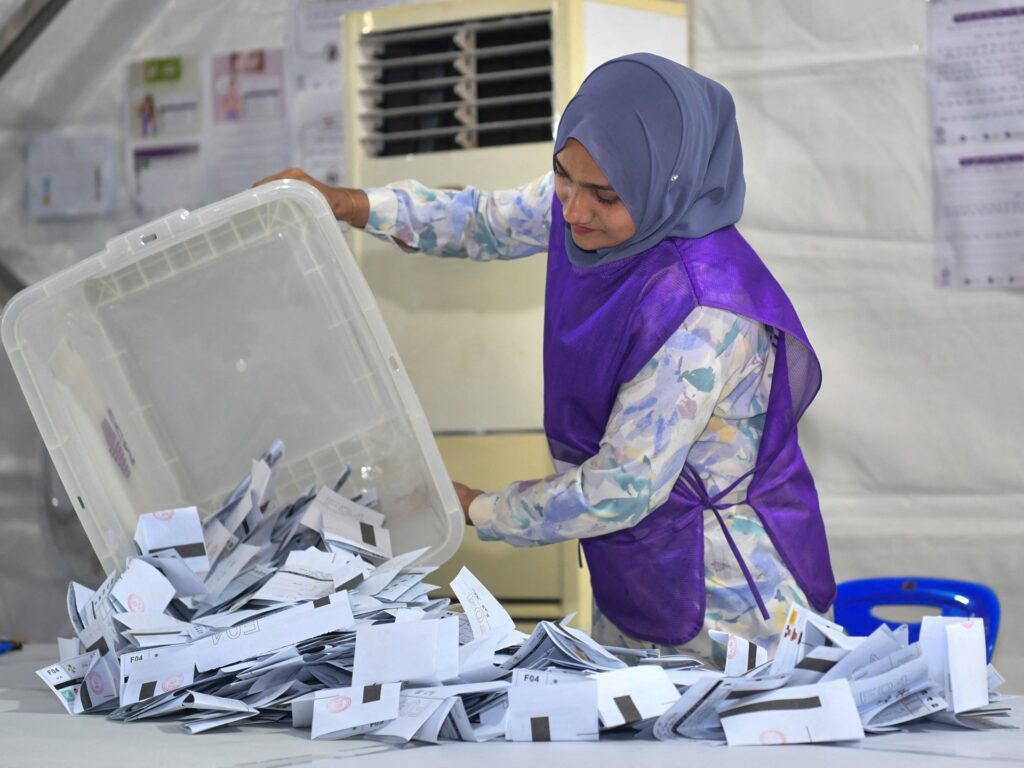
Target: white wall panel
x,y
915,439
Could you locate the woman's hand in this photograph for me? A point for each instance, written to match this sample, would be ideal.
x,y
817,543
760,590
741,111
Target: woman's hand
x,y
348,205
466,496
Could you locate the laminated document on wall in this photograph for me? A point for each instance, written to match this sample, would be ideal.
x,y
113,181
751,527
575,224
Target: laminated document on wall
x,y
314,52
70,176
203,128
976,81
248,135
313,60
165,129
318,146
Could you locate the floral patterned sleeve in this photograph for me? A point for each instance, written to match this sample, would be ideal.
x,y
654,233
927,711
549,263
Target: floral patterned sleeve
x,y
657,418
471,223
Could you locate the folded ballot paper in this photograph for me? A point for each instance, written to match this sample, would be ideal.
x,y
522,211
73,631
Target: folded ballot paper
x,y
302,614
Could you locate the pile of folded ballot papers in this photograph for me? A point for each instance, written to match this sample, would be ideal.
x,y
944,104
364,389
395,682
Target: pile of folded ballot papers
x,y
302,615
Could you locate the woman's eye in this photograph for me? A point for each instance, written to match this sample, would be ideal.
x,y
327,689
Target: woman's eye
x,y
607,200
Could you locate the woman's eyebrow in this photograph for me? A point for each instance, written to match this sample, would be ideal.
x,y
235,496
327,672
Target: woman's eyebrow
x,y
601,187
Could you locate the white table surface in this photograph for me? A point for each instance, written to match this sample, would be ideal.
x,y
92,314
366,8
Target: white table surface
x,y
36,731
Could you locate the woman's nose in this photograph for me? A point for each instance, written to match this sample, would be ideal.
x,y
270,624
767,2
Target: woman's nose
x,y
574,210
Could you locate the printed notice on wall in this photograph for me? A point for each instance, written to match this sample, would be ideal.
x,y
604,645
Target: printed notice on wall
x,y
248,137
314,61
165,134
71,176
976,83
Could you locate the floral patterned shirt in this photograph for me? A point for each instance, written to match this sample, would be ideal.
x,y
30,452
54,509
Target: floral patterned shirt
x,y
701,399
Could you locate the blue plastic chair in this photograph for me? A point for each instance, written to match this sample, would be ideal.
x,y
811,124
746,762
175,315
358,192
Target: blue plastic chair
x,y
856,599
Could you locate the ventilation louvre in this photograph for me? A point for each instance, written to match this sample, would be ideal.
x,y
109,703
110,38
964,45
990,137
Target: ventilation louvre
x,y
479,83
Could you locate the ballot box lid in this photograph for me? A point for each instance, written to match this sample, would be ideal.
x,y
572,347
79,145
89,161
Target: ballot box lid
x,y
158,369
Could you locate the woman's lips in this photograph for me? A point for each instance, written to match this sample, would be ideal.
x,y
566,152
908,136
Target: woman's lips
x,y
578,230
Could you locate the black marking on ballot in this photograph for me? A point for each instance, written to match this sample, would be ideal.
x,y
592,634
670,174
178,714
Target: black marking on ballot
x,y
305,575
816,665
147,690
352,583
742,694
810,702
185,550
320,602
628,709
540,729
371,693
751,655
368,536
681,720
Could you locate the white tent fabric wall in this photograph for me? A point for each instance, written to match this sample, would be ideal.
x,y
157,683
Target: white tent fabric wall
x,y
915,439
72,79
8,9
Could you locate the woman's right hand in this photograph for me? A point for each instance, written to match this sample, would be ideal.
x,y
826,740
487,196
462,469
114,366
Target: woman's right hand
x,y
349,205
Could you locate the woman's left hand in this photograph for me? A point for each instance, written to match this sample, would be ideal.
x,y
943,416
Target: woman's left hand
x,y
466,496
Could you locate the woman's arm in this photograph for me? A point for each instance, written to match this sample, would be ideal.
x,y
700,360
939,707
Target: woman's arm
x,y
656,419
468,222
349,205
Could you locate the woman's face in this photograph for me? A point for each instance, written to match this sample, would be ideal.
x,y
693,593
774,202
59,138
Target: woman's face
x,y
597,216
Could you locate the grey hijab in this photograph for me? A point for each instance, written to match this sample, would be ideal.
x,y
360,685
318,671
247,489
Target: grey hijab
x,y
667,140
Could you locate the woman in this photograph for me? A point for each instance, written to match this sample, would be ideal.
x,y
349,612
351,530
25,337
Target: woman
x,y
675,367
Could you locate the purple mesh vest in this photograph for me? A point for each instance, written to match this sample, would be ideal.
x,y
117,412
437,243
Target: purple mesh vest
x,y
602,325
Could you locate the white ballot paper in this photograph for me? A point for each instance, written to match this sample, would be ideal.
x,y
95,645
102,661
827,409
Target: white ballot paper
x,y
199,726
306,575
269,633
174,530
627,696
349,525
815,664
344,712
68,648
889,680
476,659
158,674
803,631
695,714
82,683
798,715
879,644
228,568
913,706
296,620
186,582
416,652
741,655
933,643
219,540
143,589
330,507
968,673
545,707
486,615
206,702
385,573
413,713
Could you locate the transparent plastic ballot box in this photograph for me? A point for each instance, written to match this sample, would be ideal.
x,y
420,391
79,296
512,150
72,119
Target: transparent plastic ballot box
x,y
159,368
